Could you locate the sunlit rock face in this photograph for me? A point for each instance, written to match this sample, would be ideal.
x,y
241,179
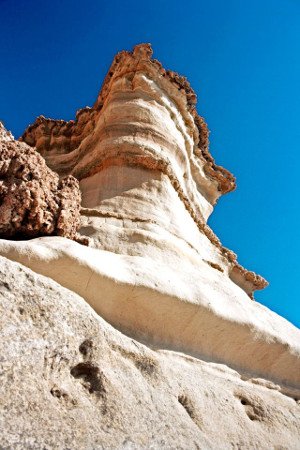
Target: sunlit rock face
x,y
154,269
71,381
141,155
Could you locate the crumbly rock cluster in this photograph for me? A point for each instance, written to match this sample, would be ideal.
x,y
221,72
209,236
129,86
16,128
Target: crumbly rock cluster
x,y
33,200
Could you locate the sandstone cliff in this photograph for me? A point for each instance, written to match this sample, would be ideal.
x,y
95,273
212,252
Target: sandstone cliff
x,y
155,271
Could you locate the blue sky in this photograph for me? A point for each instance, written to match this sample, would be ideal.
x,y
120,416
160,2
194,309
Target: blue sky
x,y
241,58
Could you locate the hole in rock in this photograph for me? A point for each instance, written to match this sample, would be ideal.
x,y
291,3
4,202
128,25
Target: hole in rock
x,y
92,377
62,396
6,285
253,408
57,392
86,347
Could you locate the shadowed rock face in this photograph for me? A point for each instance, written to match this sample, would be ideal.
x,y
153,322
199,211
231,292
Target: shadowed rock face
x,y
33,201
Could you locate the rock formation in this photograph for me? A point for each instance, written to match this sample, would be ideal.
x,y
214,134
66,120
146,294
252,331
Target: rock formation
x,y
143,130
33,201
156,272
71,381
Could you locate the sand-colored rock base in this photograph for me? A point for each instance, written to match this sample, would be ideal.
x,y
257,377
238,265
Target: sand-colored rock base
x,y
70,380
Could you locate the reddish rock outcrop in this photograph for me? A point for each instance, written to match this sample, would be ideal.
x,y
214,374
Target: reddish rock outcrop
x,y
33,200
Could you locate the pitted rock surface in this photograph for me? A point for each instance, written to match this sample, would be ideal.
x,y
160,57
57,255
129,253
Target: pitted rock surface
x,y
69,380
33,200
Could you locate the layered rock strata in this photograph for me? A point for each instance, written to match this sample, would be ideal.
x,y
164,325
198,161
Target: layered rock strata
x,y
144,119
33,200
154,269
144,123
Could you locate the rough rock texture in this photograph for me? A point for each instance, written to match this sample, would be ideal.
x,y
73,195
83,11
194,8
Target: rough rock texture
x,y
154,302
33,201
71,381
157,273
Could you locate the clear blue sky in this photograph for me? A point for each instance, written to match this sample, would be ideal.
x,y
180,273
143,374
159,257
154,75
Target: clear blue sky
x,y
242,59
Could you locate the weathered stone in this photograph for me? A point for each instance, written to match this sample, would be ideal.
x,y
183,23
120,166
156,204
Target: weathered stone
x,y
141,155
33,201
157,273
148,185
71,381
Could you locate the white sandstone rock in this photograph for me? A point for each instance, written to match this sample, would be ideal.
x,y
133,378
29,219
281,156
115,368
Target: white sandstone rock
x,y
70,380
158,302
